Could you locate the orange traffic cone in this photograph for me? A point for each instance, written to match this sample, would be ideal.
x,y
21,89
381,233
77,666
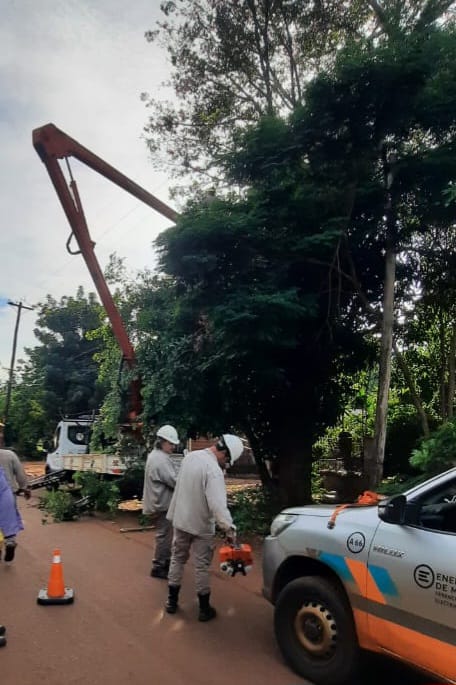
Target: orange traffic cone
x,y
56,592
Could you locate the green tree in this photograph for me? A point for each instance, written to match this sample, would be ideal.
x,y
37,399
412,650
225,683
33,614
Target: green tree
x,y
260,328
234,62
60,376
293,267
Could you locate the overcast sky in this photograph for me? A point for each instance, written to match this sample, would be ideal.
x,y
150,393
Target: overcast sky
x,y
80,64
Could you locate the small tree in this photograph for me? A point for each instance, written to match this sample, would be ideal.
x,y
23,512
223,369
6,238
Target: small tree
x,y
438,453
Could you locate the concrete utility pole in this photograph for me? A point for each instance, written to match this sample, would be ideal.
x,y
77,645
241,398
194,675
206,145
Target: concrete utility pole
x,y
20,307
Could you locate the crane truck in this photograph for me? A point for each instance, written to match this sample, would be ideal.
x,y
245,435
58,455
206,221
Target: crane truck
x,y
71,440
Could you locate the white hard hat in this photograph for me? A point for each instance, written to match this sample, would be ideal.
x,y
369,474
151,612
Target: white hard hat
x,y
168,433
234,445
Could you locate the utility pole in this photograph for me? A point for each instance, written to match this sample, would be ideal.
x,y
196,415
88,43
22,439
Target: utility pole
x,y
20,307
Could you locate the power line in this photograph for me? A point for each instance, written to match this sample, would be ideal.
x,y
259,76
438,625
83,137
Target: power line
x,y
20,306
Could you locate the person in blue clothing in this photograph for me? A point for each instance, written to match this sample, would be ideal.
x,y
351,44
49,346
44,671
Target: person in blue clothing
x,y
10,519
10,525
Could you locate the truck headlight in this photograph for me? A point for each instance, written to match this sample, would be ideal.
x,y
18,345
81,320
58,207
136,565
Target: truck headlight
x,y
281,522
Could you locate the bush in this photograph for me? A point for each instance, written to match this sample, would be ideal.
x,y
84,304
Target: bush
x,y
103,494
403,436
399,484
437,453
253,510
58,504
92,493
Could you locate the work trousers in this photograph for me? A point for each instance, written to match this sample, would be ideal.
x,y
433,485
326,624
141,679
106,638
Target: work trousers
x,y
163,540
203,550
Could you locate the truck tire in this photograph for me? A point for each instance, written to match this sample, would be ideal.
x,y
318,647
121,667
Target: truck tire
x,y
315,631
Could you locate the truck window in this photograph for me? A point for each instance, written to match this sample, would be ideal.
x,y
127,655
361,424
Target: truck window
x,y
78,435
438,508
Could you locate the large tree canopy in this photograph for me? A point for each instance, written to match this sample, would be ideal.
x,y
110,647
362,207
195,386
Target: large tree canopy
x,y
234,62
277,286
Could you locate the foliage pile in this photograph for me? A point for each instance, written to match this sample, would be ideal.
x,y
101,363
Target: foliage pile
x,y
102,496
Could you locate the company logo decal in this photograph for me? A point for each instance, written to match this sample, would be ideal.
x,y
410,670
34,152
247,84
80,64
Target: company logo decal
x,y
424,576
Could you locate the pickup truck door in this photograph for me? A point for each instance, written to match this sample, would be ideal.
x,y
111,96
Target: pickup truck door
x,y
417,566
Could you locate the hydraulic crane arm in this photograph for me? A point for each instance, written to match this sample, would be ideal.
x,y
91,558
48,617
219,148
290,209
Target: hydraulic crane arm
x,y
52,144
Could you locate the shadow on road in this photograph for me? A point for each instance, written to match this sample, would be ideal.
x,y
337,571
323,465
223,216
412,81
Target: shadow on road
x,y
377,670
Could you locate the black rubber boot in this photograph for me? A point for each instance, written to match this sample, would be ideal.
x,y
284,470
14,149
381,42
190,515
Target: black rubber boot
x,y
2,636
10,549
173,596
206,611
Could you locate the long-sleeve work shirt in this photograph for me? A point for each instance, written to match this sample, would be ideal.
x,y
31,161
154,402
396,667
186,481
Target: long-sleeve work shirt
x,y
13,469
199,500
159,482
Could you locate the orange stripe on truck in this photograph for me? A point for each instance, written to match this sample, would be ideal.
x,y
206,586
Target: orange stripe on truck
x,y
416,649
363,579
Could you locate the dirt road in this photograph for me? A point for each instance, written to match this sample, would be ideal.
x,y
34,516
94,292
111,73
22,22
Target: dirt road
x,y
116,631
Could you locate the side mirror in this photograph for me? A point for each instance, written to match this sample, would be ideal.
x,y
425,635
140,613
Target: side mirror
x,y
398,511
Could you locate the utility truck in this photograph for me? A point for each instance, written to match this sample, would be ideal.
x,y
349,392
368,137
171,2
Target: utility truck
x,y
379,577
70,450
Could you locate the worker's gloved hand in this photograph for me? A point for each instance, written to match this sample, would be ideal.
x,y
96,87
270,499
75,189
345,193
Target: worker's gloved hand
x,y
27,493
230,536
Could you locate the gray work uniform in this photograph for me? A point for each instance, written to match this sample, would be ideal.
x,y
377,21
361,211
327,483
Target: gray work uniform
x,y
13,469
159,482
198,503
16,478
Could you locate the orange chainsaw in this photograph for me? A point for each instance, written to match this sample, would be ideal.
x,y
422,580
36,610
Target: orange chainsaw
x,y
235,558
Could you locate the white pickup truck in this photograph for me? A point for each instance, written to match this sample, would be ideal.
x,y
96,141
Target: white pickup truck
x,y
380,578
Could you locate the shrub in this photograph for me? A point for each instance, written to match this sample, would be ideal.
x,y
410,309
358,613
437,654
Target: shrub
x,y
58,504
92,493
437,453
253,510
103,494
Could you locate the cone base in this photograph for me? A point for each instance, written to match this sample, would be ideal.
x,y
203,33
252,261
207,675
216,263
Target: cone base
x,y
43,597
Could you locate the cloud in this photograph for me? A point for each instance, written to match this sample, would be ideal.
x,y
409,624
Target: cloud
x,y
82,66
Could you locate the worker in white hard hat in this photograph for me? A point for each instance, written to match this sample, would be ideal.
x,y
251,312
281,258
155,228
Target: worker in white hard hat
x,y
199,502
159,483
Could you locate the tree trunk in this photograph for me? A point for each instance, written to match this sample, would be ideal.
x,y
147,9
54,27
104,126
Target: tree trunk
x,y
443,367
413,391
451,372
295,475
376,475
386,343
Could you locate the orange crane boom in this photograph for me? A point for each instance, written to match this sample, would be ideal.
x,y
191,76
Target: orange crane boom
x,y
53,145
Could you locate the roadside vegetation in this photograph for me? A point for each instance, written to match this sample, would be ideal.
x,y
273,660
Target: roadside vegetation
x,y
88,493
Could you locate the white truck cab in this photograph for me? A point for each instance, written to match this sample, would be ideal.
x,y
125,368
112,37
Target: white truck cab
x,y
71,437
71,450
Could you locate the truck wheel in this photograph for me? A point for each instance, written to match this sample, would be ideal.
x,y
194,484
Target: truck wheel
x,y
315,631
